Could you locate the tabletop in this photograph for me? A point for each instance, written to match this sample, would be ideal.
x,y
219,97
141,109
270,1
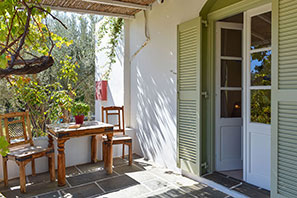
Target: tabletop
x,y
87,128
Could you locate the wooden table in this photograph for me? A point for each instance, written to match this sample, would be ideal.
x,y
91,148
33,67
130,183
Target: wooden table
x,y
61,133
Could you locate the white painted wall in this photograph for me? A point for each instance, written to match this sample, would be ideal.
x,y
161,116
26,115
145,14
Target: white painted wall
x,y
115,92
153,78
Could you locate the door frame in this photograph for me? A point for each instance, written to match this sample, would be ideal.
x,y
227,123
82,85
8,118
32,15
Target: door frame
x,y
218,57
209,66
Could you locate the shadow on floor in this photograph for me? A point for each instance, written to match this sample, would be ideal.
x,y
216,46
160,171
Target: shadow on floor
x,y
238,185
142,179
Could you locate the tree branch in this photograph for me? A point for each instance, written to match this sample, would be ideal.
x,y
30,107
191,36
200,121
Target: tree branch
x,y
40,65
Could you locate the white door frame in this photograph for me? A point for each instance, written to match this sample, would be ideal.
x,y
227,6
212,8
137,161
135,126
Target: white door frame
x,y
247,125
218,58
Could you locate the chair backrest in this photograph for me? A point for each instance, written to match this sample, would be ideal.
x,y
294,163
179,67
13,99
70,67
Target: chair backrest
x,y
17,128
114,111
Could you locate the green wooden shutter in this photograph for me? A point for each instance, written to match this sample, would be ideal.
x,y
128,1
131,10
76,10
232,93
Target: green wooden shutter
x,y
284,99
188,80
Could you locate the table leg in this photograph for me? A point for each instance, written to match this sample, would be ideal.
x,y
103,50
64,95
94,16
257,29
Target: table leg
x,y
61,163
94,148
50,141
109,160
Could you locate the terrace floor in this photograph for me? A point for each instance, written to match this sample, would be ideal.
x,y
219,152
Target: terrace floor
x,y
142,179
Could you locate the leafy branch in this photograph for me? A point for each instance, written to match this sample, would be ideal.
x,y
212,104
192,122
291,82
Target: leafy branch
x,y
26,43
112,27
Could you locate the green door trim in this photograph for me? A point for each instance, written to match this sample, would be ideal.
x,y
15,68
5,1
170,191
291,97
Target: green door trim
x,y
209,50
274,103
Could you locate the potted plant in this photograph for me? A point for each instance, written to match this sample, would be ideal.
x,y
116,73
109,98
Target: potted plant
x,y
79,110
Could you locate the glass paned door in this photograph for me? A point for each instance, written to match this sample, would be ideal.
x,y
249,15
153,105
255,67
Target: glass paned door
x,y
258,118
228,96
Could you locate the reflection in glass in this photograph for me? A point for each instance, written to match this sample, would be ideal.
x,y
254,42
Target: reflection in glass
x,y
230,104
231,37
261,68
261,106
261,31
230,73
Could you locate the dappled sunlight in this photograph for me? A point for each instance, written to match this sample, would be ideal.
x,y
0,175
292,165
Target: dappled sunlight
x,y
156,117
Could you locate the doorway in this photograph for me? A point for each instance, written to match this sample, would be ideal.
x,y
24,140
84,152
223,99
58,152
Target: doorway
x,y
229,98
243,92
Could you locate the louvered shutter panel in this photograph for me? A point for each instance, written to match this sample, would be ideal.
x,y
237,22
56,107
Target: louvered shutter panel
x,y
284,99
188,124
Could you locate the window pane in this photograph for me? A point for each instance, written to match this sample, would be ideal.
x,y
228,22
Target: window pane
x,y
231,43
261,106
261,31
230,73
230,104
261,68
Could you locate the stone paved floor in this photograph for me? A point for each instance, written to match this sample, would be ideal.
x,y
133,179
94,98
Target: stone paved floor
x,y
142,179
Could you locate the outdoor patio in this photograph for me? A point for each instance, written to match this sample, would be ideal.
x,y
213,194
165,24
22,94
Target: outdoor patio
x,y
142,179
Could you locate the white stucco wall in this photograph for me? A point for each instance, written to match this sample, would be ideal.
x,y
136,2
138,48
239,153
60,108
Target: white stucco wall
x,y
153,78
115,91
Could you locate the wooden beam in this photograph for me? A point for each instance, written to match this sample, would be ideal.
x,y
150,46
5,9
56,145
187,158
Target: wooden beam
x,y
121,4
84,11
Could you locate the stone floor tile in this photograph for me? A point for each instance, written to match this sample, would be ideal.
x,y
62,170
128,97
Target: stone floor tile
x,y
208,192
252,191
33,190
117,183
156,184
89,177
12,183
131,192
142,176
82,191
119,162
127,169
91,167
45,177
50,195
223,180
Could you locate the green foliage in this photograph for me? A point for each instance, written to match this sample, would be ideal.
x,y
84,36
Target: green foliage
x,y
112,27
261,99
3,146
261,106
24,32
80,108
46,102
67,71
81,30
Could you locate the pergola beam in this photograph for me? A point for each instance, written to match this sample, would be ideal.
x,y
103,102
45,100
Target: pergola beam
x,y
85,11
121,4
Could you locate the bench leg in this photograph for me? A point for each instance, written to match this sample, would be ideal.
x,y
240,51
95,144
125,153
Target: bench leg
x,y
33,167
104,153
22,177
123,156
130,154
5,173
51,163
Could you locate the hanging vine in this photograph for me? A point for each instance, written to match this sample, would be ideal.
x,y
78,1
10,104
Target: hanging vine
x,y
112,27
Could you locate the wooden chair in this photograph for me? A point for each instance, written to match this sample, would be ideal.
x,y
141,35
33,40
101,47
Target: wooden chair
x,y
21,147
119,129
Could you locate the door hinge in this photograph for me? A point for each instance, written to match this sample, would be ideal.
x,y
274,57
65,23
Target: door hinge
x,y
204,165
205,22
205,94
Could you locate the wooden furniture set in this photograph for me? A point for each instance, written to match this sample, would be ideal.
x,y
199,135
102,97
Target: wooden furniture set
x,y
22,150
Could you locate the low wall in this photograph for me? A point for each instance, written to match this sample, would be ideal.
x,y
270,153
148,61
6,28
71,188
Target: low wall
x,y
77,151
